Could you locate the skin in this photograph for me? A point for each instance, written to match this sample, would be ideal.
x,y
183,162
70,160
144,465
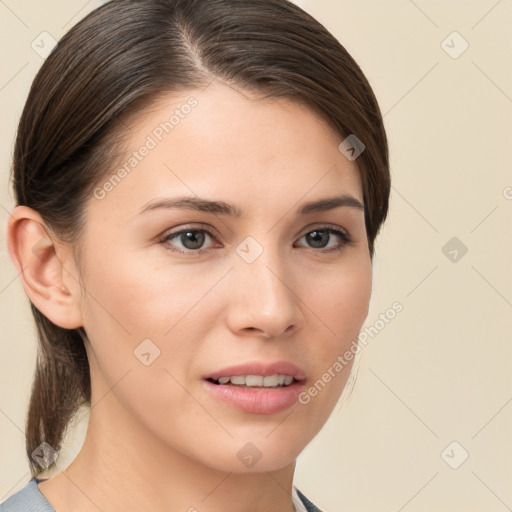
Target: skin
x,y
156,439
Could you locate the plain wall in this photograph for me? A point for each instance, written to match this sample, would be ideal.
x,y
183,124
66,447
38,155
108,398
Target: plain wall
x,y
439,371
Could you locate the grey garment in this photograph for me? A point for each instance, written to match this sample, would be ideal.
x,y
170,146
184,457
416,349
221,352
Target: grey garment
x,y
31,499
28,499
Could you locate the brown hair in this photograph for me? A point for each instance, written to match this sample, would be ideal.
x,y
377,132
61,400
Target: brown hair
x,y
115,62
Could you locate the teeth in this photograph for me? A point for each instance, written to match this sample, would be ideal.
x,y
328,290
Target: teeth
x,y
254,380
270,381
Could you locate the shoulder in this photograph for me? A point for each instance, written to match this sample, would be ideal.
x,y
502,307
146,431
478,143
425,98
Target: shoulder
x,y
308,505
27,499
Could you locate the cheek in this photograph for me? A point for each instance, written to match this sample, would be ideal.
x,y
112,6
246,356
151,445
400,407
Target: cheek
x,y
130,310
341,299
339,306
137,297
129,301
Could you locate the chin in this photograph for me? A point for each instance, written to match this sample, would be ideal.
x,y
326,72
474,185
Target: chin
x,y
256,454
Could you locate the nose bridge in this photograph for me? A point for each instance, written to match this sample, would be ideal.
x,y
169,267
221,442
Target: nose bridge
x,y
264,297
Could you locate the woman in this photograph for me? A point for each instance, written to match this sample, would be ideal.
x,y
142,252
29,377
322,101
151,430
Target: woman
x,y
199,186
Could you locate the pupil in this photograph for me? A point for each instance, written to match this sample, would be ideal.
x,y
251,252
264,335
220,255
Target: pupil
x,y
317,237
191,240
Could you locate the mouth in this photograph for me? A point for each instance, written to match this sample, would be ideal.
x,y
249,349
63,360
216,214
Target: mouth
x,y
257,388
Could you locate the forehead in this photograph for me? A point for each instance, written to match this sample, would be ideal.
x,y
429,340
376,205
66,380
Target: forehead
x,y
234,145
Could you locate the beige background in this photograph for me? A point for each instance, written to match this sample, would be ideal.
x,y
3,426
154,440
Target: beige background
x,y
440,371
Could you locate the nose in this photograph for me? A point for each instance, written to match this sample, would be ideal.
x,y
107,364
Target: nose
x,y
263,300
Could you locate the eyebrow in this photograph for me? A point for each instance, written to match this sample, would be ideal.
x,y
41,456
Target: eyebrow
x,y
223,208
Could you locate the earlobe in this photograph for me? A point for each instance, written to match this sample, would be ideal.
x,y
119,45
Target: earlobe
x,y
42,268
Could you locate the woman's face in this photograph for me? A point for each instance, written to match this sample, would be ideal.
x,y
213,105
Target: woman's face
x,y
282,291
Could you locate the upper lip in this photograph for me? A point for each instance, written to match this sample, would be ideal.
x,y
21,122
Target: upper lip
x,y
259,368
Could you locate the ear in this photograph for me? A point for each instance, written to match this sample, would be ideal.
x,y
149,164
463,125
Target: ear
x,y
46,268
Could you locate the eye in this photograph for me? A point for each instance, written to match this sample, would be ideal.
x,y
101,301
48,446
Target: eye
x,y
320,237
191,240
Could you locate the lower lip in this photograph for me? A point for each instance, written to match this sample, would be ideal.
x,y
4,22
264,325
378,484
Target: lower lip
x,y
256,400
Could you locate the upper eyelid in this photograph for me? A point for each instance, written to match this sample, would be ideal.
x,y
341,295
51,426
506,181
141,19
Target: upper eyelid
x,y
171,233
208,229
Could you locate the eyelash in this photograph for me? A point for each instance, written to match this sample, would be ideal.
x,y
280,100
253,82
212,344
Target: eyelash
x,y
345,237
